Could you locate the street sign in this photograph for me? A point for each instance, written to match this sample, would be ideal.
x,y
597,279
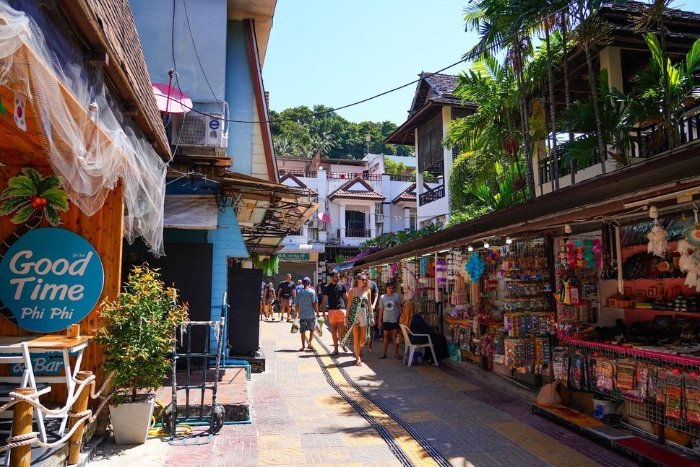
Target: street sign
x,y
293,256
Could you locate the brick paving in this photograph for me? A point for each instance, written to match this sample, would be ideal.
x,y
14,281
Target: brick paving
x,y
300,419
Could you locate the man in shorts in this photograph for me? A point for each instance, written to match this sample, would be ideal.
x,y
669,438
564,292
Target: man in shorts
x,y
335,296
306,305
285,295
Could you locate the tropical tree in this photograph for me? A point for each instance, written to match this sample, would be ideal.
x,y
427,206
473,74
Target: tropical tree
x,y
650,96
500,26
589,33
490,137
581,118
653,17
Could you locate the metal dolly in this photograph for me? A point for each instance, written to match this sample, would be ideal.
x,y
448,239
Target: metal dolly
x,y
193,414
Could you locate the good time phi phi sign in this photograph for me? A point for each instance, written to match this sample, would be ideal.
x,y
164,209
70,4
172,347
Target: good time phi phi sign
x,y
50,278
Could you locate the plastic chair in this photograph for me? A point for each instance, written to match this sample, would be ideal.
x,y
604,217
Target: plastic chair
x,y
412,347
28,381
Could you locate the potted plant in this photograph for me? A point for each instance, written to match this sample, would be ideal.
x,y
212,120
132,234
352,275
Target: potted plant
x,y
137,337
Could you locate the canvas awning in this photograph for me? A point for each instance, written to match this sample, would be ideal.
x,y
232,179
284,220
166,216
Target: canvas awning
x,y
344,267
198,212
303,248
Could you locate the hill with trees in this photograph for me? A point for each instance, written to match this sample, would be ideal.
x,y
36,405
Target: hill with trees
x,y
303,131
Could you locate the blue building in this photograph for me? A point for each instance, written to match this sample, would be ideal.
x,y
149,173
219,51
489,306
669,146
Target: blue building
x,y
224,202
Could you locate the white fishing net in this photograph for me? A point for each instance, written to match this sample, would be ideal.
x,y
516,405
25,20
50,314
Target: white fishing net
x,y
89,140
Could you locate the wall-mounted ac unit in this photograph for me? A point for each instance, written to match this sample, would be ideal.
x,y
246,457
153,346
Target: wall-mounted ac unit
x,y
195,129
379,219
313,223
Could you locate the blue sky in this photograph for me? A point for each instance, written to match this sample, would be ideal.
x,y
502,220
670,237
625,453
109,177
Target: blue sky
x,y
334,53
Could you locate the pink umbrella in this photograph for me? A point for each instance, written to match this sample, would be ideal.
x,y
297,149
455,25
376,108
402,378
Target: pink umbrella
x,y
324,217
170,99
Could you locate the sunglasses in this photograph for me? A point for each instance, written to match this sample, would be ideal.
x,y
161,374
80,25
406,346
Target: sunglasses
x,y
365,280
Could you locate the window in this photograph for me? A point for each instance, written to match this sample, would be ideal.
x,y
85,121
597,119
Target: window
x,y
355,224
413,222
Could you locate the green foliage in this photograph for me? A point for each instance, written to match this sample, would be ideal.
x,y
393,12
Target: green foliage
x,y
31,195
394,168
303,131
271,265
392,239
470,212
644,106
139,332
580,118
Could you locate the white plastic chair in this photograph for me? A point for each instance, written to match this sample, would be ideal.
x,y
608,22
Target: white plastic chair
x,y
412,347
28,381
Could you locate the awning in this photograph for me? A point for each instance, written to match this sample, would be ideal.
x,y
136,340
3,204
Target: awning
x,y
198,212
344,267
303,248
267,211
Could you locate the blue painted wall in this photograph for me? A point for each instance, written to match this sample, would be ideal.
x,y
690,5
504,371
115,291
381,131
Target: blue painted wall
x,y
240,97
206,19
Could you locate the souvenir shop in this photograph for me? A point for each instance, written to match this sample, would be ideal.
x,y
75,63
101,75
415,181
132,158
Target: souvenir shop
x,y
608,309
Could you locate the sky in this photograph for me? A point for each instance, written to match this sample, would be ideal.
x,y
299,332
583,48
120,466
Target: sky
x,y
334,53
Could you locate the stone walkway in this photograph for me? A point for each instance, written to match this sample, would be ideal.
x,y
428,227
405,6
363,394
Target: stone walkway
x,y
311,410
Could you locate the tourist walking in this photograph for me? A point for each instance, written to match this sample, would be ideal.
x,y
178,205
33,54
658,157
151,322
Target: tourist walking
x,y
285,295
269,297
359,317
374,297
335,296
319,293
306,304
388,318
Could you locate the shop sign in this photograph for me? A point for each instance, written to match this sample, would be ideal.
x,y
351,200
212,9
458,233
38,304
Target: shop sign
x,y
293,256
50,278
44,364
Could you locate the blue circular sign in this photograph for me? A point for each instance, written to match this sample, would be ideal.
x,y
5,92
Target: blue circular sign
x,y
50,278
214,124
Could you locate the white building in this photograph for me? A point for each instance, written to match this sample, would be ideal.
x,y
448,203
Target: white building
x,y
357,200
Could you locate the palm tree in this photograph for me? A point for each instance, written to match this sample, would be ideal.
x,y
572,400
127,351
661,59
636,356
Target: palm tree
x,y
591,31
499,27
489,138
650,95
650,18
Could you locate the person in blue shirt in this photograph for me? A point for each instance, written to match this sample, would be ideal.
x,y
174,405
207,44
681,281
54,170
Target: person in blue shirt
x,y
306,304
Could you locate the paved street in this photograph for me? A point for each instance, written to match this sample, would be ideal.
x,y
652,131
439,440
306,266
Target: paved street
x,y
310,410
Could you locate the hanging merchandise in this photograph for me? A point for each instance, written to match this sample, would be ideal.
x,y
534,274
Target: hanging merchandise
x,y
431,267
450,267
658,237
441,274
571,292
475,267
424,266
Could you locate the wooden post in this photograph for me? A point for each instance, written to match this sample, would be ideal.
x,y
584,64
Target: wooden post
x,y
21,425
80,405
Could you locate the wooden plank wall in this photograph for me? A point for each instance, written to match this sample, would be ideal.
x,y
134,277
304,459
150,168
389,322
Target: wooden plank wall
x,y
104,231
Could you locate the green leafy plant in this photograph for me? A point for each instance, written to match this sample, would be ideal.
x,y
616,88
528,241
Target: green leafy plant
x,y
139,332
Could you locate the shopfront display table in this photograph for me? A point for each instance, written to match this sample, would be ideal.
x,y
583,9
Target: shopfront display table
x,y
49,343
643,353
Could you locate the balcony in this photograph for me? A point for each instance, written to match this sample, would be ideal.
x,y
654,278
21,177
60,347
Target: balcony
x,y
688,131
431,195
351,175
297,173
402,178
356,233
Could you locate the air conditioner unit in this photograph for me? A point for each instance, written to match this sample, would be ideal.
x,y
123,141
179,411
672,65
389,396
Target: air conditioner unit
x,y
195,129
380,218
313,223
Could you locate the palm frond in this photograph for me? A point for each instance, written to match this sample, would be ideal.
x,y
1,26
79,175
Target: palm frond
x,y
51,215
23,215
10,205
56,198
